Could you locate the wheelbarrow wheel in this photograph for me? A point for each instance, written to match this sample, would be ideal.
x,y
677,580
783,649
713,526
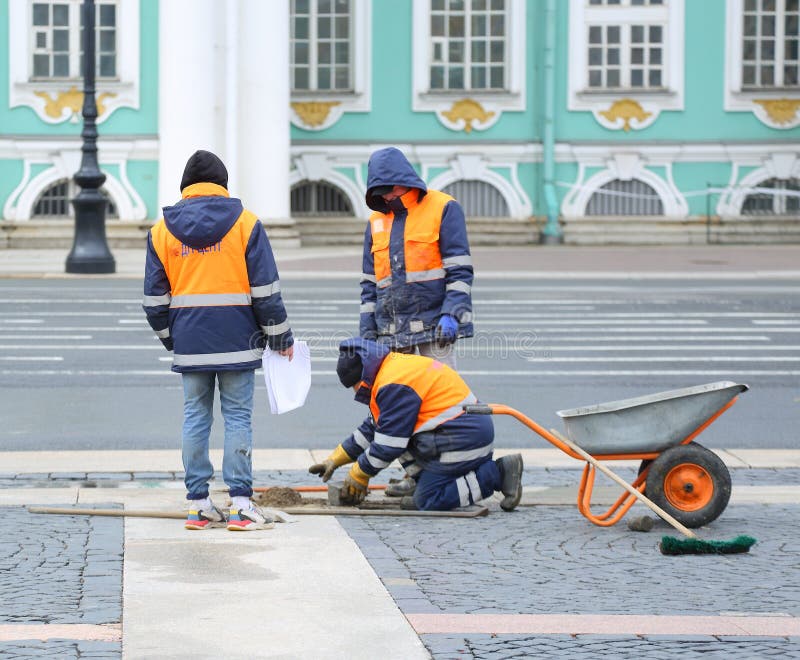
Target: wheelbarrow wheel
x,y
690,483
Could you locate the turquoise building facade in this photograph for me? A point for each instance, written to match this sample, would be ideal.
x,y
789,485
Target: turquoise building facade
x,y
584,121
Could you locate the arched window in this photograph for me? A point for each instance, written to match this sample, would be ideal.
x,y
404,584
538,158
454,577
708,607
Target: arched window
x,y
311,198
619,197
478,199
54,202
777,203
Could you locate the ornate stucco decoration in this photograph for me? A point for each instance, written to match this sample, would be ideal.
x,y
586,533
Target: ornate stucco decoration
x,y
626,114
780,111
314,114
466,114
70,103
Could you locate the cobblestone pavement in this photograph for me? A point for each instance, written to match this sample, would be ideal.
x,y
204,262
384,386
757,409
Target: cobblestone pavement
x,y
60,570
548,559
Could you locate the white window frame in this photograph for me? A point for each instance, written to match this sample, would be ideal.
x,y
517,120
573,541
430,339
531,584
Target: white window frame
x,y
25,90
670,96
356,99
736,98
313,54
74,52
467,64
492,101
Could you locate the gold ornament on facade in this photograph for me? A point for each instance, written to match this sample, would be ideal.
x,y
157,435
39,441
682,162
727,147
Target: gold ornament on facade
x,y
625,109
314,113
469,110
72,100
780,111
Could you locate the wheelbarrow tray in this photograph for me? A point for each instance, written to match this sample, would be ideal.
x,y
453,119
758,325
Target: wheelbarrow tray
x,y
649,423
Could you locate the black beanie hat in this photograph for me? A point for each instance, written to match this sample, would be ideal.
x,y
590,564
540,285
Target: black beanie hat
x,y
349,368
204,167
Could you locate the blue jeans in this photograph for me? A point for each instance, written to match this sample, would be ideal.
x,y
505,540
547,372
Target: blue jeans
x,y
236,399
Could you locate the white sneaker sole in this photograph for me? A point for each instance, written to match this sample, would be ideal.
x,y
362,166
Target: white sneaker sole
x,y
249,527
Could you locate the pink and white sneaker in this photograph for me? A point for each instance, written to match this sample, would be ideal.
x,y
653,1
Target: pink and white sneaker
x,y
205,518
244,520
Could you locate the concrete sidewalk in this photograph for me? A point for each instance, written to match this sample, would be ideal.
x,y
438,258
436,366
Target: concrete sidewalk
x,y
708,261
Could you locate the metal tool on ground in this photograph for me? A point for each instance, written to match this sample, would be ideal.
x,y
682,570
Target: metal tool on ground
x,y
284,515
687,485
315,489
276,514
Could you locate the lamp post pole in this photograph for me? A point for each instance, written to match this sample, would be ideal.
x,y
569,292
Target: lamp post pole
x,y
90,253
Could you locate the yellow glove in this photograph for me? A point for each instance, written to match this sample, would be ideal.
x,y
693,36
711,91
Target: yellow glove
x,y
325,469
355,487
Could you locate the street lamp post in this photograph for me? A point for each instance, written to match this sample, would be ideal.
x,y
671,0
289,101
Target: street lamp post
x,y
90,253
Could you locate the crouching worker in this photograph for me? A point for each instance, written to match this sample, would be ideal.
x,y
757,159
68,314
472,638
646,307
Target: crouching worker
x,y
416,416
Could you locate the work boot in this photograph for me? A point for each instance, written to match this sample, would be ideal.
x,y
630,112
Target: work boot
x,y
510,480
407,503
401,487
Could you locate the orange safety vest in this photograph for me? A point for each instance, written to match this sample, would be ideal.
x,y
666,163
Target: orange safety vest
x,y
423,260
217,270
441,390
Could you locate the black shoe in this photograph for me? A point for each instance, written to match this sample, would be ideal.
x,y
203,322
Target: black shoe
x,y
511,480
401,487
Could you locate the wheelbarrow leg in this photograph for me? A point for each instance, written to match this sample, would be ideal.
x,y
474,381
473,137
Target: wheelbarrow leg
x,y
617,510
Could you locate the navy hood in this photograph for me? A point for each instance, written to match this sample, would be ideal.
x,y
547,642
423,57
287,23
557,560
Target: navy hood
x,y
201,222
204,167
389,167
372,355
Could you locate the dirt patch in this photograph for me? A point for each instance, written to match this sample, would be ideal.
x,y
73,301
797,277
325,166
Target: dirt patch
x,y
278,496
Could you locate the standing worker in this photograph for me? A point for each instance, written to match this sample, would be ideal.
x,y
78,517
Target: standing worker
x,y
416,414
212,295
416,282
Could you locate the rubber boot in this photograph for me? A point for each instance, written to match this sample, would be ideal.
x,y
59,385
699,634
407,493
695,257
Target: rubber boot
x,y
511,480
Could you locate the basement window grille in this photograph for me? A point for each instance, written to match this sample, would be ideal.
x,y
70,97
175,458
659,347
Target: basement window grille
x,y
767,203
478,199
310,198
54,202
630,198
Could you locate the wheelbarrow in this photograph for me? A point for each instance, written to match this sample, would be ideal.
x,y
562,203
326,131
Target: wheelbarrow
x,y
684,478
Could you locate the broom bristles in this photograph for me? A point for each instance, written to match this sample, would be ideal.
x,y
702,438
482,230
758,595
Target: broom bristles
x,y
672,546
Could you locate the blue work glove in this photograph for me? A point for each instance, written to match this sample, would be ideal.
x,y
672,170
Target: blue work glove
x,y
447,330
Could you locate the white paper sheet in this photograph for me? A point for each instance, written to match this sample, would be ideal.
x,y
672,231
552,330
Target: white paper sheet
x,y
287,382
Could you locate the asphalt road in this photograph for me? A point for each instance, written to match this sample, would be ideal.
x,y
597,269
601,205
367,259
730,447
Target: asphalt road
x,y
80,368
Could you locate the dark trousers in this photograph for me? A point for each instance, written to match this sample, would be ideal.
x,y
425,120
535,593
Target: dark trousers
x,y
443,492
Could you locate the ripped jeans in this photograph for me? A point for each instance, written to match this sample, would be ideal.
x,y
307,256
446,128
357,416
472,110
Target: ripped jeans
x,y
236,399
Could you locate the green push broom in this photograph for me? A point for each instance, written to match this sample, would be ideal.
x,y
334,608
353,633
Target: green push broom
x,y
692,544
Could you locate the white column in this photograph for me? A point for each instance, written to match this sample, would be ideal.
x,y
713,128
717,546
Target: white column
x,y
189,93
263,109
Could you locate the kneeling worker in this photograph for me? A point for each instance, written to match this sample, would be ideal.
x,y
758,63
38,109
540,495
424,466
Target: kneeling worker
x,y
417,417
